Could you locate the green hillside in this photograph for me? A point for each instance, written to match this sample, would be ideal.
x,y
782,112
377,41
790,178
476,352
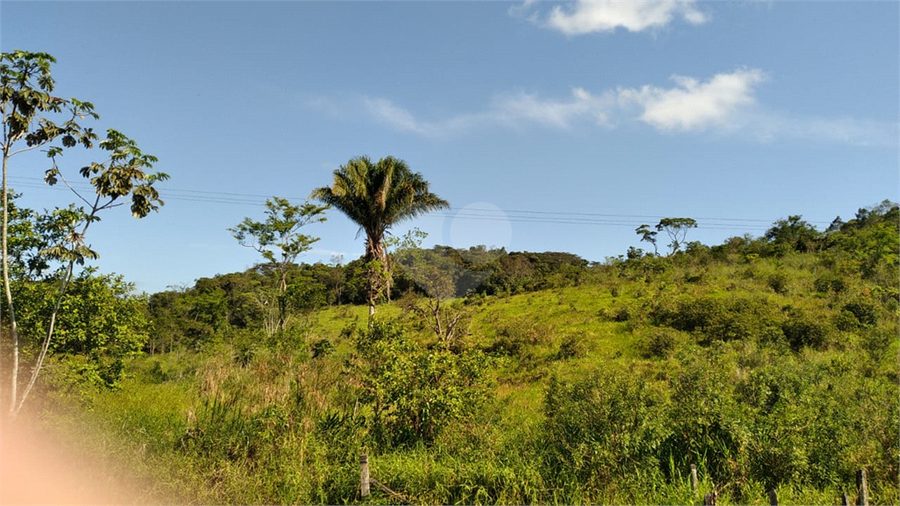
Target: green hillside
x,y
768,363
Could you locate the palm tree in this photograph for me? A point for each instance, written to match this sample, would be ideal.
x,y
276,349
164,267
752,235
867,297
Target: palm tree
x,y
377,196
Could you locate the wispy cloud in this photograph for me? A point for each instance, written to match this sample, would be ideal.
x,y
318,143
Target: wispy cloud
x,y
592,16
768,126
513,110
724,104
516,108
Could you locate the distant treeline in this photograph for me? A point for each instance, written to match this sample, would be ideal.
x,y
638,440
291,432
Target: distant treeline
x,y
190,316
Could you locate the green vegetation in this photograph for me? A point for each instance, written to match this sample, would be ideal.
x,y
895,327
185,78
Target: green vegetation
x,y
769,363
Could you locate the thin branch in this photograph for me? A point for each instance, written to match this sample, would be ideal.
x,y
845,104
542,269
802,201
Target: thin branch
x,y
66,181
14,153
110,205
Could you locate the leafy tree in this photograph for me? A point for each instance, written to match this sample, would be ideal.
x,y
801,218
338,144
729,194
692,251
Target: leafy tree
x,y
437,273
377,196
395,246
415,392
524,271
870,242
792,234
335,279
27,237
647,235
29,116
676,228
122,175
279,240
27,109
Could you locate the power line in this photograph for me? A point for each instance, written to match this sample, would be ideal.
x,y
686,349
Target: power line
x,y
712,226
464,213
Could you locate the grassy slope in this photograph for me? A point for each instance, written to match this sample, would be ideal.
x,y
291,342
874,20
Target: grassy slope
x,y
152,422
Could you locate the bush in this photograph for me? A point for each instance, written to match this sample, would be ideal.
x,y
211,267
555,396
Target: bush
x,y
571,347
778,282
865,311
415,391
734,318
322,348
100,324
601,429
804,330
706,425
618,314
845,321
659,342
830,282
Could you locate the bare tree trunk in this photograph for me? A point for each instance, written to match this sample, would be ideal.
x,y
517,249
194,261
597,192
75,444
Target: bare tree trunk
x,y
13,325
282,302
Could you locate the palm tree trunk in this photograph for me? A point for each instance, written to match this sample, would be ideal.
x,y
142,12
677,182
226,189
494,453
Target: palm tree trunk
x,y
374,252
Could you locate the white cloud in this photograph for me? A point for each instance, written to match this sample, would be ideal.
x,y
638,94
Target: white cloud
x,y
725,104
590,16
696,105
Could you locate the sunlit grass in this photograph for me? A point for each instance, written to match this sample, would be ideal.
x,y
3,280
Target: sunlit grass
x,y
274,425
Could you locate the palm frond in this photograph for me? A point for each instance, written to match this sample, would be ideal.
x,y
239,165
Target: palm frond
x,y
377,196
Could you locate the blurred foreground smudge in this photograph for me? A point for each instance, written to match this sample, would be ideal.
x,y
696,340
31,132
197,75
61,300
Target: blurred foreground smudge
x,y
37,467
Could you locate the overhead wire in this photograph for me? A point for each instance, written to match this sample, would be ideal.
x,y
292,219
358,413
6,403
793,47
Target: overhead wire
x,y
462,213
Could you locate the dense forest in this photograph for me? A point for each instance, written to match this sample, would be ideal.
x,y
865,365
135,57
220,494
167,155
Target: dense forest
x,y
770,363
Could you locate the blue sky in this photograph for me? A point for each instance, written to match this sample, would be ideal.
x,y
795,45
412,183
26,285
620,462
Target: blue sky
x,y
548,126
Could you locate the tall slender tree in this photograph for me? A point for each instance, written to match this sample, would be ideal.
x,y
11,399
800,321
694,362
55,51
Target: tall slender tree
x,y
281,230
31,117
377,196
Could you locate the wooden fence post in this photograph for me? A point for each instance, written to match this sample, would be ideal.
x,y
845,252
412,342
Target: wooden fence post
x,y
862,488
773,497
710,498
845,501
363,474
694,478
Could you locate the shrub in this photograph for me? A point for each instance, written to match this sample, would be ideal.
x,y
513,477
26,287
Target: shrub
x,y
720,319
516,333
600,429
415,391
803,330
778,282
706,425
571,347
864,311
615,314
321,348
877,341
830,282
659,342
845,321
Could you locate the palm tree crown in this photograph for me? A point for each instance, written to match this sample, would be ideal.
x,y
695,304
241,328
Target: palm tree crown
x,y
377,196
